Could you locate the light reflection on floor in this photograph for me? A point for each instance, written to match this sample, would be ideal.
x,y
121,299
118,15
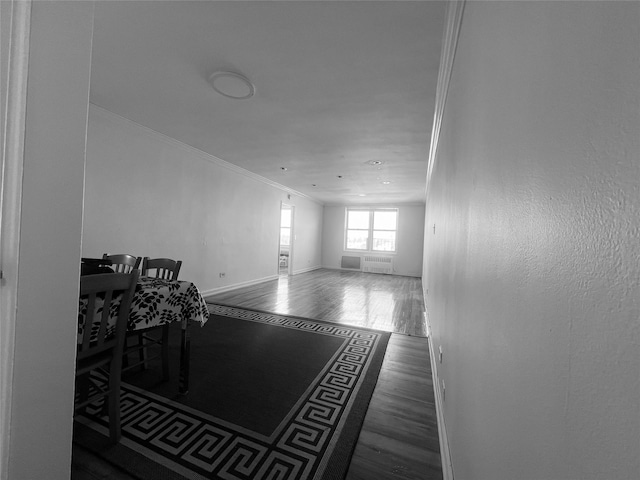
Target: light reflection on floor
x,y
368,308
282,295
383,302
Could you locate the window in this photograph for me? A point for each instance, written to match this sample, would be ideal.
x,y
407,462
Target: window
x,y
285,226
371,230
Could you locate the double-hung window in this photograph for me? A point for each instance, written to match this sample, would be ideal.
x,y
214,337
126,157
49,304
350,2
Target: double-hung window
x,y
371,230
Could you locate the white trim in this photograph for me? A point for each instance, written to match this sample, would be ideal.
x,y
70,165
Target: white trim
x,y
453,21
11,202
308,269
445,454
204,155
249,283
227,288
395,274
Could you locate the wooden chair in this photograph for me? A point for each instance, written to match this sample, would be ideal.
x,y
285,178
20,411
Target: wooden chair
x,y
166,269
104,352
123,263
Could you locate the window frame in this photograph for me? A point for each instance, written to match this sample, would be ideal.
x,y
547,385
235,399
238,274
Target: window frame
x,y
287,228
370,230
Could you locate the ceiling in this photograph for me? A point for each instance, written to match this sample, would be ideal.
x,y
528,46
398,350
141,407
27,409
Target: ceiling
x,y
339,84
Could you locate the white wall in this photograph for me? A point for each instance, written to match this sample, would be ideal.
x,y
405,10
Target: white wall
x,y
150,195
533,272
410,238
5,39
50,233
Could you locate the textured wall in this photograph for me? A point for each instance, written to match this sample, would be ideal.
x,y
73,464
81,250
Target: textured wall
x,y
533,269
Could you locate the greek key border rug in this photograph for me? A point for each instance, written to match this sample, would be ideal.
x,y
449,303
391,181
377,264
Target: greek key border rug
x,y
165,439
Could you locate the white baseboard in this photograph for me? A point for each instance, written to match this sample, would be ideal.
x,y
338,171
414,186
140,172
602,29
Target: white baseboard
x,y
227,288
445,454
309,269
359,270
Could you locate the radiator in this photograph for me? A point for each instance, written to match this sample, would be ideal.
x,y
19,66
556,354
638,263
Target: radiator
x,y
375,264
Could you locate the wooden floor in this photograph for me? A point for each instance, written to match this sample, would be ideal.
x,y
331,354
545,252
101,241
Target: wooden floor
x,y
384,302
399,437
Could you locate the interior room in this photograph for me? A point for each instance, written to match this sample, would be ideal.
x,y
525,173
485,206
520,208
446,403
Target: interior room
x,y
504,135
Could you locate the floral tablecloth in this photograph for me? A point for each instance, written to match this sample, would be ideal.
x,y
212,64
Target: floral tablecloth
x,y
157,302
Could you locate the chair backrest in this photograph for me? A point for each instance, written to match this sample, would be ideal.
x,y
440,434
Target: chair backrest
x,y
165,268
123,263
107,295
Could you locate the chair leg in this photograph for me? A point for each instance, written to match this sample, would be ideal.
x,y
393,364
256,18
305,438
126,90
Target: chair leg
x,y
83,384
165,352
114,404
125,356
142,352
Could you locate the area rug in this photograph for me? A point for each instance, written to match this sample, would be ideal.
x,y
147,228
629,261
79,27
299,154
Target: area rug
x,y
271,397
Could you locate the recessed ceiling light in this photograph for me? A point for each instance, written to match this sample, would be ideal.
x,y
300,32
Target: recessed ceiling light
x,y
284,169
362,195
375,162
386,182
232,85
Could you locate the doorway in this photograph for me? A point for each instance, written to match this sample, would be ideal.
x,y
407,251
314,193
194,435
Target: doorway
x,y
285,249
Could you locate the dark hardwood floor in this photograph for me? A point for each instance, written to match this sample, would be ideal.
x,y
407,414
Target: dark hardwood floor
x,y
399,437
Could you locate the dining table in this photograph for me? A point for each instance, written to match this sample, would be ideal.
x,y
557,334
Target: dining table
x,y
158,302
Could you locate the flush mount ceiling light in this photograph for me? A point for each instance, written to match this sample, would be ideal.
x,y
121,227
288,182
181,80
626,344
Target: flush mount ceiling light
x,y
232,85
386,182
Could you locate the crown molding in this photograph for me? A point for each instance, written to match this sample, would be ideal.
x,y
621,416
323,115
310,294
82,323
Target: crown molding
x,y
453,21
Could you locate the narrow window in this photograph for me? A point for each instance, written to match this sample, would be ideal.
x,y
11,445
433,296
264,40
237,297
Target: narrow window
x,y
285,227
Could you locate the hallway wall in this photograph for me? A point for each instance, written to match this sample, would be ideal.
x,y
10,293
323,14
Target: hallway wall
x,y
533,272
